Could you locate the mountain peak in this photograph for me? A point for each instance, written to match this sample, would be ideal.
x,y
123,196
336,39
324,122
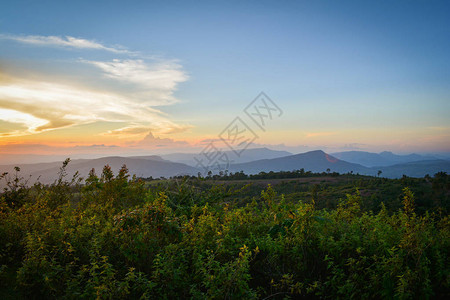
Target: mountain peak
x,y
315,152
318,151
386,152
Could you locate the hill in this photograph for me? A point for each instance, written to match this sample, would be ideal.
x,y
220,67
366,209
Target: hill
x,y
247,156
385,158
140,166
315,161
416,169
157,166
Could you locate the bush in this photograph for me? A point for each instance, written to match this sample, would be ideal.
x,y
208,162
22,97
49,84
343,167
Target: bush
x,y
116,238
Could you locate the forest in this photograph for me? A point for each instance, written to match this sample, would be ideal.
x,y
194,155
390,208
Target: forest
x,y
277,235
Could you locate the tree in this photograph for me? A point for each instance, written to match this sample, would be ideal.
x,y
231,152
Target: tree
x,y
379,173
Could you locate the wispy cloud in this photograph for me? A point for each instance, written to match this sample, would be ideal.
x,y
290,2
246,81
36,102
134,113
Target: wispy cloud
x,y
42,106
150,141
126,92
354,146
66,41
19,119
157,80
127,131
138,130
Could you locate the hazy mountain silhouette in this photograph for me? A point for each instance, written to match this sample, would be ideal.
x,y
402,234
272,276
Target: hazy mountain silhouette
x,y
315,161
385,158
416,168
156,166
246,156
145,166
150,157
319,161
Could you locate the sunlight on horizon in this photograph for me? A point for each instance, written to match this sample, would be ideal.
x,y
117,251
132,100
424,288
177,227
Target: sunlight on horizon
x,y
166,82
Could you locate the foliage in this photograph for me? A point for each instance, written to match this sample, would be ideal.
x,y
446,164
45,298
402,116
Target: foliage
x,y
114,237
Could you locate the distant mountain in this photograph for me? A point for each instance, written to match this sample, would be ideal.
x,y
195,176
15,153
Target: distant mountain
x,y
385,158
416,169
141,166
246,156
156,166
315,161
150,157
319,161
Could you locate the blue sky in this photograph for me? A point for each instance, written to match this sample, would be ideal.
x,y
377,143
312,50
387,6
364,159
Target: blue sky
x,y
348,74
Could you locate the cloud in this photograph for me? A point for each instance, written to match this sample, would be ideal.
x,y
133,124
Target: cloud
x,y
42,106
354,146
150,141
158,80
19,118
175,128
126,92
127,131
66,41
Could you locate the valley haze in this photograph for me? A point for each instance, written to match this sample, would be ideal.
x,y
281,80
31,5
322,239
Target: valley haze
x,y
253,161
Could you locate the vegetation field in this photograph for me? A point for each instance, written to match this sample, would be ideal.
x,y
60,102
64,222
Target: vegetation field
x,y
268,236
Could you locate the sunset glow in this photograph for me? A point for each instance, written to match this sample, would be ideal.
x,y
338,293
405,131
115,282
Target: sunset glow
x,y
164,82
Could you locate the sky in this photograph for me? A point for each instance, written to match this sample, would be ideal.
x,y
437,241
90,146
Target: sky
x,y
134,77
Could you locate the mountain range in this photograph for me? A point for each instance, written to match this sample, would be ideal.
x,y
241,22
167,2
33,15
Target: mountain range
x,y
385,158
319,161
246,156
254,161
141,166
315,161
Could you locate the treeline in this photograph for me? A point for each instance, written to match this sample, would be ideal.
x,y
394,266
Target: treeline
x,y
117,237
432,193
225,175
